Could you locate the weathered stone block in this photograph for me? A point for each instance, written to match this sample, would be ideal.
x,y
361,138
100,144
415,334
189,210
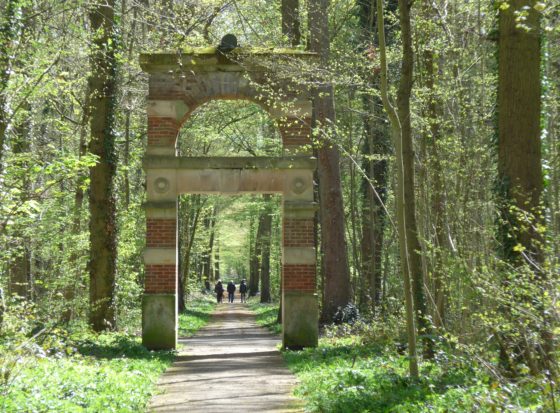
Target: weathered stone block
x,y
300,315
159,321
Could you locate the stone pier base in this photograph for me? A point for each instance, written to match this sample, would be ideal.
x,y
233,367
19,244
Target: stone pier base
x,y
300,315
159,321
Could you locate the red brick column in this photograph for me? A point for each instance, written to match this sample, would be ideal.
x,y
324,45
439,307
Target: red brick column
x,y
295,132
160,278
162,135
298,276
159,303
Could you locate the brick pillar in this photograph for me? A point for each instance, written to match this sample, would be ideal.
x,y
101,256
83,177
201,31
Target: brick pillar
x,y
159,303
294,122
296,134
300,312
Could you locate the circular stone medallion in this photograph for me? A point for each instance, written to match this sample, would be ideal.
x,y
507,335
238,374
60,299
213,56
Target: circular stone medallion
x,y
298,186
161,185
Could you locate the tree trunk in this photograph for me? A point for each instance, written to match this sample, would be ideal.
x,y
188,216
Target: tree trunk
x,y
70,290
519,147
254,263
374,184
437,196
519,164
397,135
217,257
102,225
189,228
336,289
266,239
8,32
291,21
19,267
207,272
412,236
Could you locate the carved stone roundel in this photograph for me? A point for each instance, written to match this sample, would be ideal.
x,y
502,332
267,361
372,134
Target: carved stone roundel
x,y
161,185
298,185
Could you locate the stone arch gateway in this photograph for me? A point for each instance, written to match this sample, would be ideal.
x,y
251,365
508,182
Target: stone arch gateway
x,y
178,84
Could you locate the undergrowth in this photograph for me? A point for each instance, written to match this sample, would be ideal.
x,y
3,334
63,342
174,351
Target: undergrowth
x,y
363,368
266,315
196,315
51,369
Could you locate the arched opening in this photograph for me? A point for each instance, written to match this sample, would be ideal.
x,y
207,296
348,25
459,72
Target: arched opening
x,y
215,159
229,128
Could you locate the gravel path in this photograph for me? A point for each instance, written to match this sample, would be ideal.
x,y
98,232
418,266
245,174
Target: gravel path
x,y
231,365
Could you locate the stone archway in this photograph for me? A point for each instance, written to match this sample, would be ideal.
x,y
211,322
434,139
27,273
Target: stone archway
x,y
178,84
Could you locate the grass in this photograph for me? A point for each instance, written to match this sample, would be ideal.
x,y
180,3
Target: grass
x,y
88,372
358,373
266,315
196,315
345,375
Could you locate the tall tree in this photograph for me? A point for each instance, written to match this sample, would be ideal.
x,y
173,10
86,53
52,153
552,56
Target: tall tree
x,y
254,257
398,136
266,240
433,114
336,289
102,224
519,158
376,148
412,236
8,33
291,21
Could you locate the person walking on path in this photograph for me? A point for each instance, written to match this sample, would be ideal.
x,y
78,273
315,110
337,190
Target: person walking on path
x,y
231,290
219,290
243,291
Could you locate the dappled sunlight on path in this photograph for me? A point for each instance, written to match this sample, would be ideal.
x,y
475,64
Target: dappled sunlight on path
x,y
230,365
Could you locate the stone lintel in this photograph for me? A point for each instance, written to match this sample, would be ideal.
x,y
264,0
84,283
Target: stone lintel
x,y
298,255
251,162
298,150
160,256
162,210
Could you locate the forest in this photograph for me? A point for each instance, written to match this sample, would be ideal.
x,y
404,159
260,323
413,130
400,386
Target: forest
x,y
436,129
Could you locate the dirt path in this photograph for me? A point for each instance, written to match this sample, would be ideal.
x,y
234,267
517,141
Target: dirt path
x,y
231,365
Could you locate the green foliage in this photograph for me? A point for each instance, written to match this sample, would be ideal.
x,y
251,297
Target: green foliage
x,y
50,369
196,315
267,315
85,372
344,374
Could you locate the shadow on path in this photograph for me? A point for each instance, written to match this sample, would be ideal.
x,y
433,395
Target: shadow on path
x,y
230,365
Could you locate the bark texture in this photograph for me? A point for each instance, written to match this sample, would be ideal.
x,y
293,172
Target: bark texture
x,y
374,183
265,252
291,21
336,289
412,237
519,145
102,225
397,135
520,177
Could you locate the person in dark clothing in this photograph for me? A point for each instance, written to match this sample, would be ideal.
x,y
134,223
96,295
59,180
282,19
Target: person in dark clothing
x,y
243,291
231,290
219,290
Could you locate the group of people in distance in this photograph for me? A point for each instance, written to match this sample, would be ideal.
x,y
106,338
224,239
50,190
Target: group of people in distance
x,y
231,288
